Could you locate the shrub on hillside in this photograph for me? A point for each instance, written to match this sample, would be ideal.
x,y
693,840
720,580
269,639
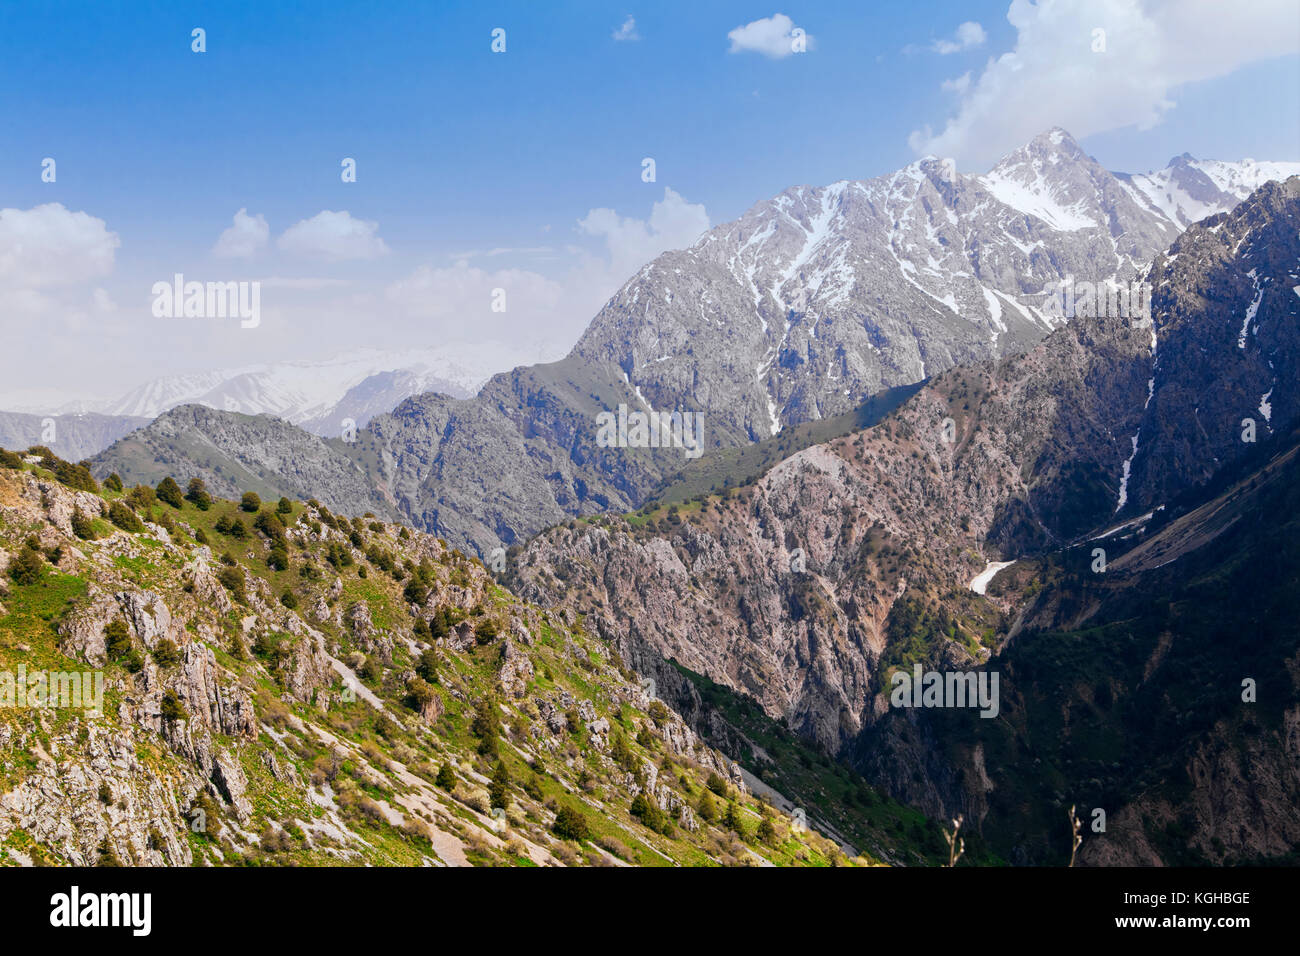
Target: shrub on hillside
x,y
124,518
197,494
172,708
233,578
427,666
167,654
570,824
75,476
117,639
82,526
170,492
142,497
27,567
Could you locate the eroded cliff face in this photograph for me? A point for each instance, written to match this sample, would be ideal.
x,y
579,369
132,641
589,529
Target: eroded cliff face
x,y
784,589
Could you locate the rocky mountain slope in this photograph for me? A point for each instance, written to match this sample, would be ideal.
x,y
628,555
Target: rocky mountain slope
x,y
848,559
1189,189
798,311
282,685
235,453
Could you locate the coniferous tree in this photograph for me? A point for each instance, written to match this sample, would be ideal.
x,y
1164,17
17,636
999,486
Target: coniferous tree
x,y
170,493
27,567
499,789
197,494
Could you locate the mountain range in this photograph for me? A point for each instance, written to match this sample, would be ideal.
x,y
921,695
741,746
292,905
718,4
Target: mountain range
x,y
797,312
323,397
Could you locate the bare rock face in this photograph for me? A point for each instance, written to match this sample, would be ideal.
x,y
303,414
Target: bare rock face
x,y
150,618
229,778
369,638
207,589
61,502
82,629
222,705
308,666
106,798
516,670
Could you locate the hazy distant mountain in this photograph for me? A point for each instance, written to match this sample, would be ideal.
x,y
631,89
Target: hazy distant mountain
x,y
320,395
234,453
74,436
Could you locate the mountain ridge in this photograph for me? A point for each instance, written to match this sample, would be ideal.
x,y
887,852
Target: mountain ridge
x,y
798,311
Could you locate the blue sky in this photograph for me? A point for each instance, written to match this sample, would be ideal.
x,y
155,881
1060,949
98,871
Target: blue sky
x,y
460,149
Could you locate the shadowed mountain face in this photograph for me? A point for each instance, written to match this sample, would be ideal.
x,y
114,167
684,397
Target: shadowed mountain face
x,y
1163,693
857,556
796,312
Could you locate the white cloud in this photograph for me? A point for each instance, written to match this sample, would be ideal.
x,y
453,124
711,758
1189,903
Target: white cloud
x,y
969,34
1053,77
555,307
51,246
463,292
631,243
308,283
504,251
959,84
771,36
334,236
102,302
245,236
627,31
